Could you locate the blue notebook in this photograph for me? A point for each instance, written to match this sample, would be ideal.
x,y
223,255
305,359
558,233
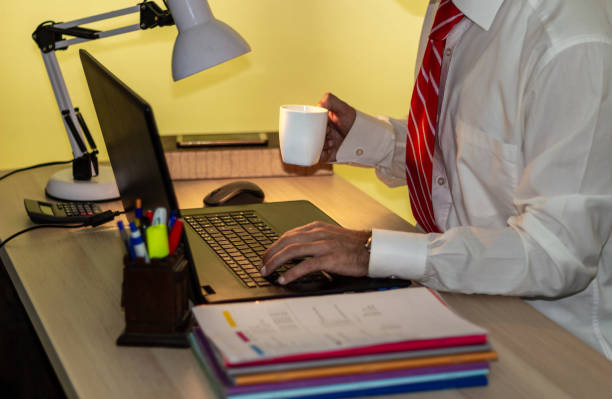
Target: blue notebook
x,y
416,387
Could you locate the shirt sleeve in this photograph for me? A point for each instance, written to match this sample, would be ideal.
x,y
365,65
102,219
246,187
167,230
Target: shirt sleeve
x,y
377,142
553,246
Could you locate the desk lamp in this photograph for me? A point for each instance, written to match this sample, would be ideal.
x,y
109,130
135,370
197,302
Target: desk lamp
x,y
202,42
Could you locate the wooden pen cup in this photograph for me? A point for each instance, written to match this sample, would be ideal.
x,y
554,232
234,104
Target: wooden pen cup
x,y
155,298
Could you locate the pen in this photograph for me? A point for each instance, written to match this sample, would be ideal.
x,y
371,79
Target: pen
x,y
160,216
175,235
144,223
171,222
137,243
138,212
126,240
149,217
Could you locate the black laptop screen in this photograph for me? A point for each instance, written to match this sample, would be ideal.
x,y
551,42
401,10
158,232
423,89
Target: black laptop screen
x,y
131,138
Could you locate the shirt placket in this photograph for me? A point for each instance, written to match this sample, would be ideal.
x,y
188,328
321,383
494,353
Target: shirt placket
x,y
440,190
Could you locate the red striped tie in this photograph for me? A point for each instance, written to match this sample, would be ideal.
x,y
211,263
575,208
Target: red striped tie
x,y
423,118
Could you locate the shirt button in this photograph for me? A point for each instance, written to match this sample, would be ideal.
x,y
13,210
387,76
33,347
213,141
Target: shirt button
x,y
359,152
441,181
448,52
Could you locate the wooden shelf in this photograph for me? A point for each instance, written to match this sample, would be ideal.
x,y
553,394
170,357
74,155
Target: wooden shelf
x,y
233,161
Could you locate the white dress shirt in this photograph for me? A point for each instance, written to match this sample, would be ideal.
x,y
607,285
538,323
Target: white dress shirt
x,y
522,170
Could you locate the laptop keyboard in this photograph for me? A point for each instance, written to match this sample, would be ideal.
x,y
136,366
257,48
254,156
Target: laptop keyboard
x,y
239,238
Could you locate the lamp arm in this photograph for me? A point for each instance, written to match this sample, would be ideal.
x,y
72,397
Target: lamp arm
x,y
49,36
85,164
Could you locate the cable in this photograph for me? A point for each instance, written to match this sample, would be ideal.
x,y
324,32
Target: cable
x,y
102,217
40,226
93,221
40,165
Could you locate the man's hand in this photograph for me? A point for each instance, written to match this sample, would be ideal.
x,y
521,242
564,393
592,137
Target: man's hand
x,y
326,247
341,117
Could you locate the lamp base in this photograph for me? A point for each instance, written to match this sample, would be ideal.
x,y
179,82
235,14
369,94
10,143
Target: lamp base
x,y
62,186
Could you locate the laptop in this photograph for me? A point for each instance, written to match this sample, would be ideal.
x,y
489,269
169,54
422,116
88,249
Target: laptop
x,y
219,272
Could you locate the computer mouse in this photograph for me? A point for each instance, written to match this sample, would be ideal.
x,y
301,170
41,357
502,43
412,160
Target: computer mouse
x,y
235,193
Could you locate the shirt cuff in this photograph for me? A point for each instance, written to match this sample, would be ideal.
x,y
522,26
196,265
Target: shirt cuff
x,y
398,254
369,141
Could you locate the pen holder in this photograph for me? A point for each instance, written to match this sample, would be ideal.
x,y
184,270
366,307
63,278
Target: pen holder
x,y
155,298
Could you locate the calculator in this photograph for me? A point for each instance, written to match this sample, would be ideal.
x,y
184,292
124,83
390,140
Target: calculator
x,y
60,212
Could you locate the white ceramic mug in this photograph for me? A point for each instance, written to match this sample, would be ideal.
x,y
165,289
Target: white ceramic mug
x,y
302,133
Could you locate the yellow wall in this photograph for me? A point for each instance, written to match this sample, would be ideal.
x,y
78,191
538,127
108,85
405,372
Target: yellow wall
x,y
361,50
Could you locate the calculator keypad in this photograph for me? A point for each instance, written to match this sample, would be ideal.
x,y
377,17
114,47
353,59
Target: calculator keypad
x,y
79,208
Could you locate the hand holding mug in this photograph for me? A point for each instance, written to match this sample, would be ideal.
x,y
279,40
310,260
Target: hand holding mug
x,y
341,117
309,134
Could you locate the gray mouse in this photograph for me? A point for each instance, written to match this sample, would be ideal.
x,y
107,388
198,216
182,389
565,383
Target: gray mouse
x,y
235,193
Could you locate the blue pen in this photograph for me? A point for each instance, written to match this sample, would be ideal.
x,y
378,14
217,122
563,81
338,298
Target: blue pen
x,y
126,240
171,222
137,243
172,218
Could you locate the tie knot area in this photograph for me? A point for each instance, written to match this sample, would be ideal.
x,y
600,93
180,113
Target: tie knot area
x,y
447,16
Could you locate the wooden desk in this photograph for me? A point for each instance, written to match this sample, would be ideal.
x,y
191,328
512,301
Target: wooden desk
x,y
70,283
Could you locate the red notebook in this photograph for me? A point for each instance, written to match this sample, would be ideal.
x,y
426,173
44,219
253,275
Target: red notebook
x,y
368,350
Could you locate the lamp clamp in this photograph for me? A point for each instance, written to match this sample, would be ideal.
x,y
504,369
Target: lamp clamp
x,y
152,15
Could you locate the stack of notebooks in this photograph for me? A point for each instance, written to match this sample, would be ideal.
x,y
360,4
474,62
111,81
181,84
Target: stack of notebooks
x,y
336,346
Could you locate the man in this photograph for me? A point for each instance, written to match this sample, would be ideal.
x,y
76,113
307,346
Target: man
x,y
520,180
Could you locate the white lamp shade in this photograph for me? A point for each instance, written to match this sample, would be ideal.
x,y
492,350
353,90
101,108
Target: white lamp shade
x,y
202,41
